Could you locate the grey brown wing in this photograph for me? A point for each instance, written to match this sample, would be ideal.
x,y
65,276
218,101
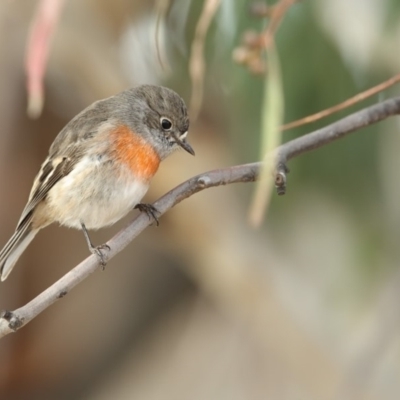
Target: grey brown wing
x,y
66,150
51,172
81,128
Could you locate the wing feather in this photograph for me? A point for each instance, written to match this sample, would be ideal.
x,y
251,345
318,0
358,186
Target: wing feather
x,y
66,150
51,172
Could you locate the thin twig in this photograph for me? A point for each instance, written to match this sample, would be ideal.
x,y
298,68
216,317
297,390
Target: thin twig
x,y
12,321
348,103
353,122
277,13
254,45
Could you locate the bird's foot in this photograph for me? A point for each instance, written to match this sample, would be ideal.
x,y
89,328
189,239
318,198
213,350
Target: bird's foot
x,y
100,251
150,210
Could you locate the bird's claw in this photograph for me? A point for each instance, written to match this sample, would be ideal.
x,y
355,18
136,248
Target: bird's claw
x,y
150,210
100,255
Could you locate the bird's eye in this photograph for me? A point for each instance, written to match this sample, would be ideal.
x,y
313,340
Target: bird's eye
x,y
166,124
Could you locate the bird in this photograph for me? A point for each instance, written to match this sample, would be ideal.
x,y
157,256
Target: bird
x,y
100,166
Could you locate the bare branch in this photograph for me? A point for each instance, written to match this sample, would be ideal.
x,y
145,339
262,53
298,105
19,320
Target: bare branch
x,y
341,106
276,15
337,130
250,52
12,321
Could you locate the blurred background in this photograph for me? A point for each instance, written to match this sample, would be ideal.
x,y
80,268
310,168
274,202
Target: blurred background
x,y
205,307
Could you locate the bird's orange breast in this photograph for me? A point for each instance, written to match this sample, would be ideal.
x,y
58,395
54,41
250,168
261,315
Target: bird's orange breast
x,y
132,150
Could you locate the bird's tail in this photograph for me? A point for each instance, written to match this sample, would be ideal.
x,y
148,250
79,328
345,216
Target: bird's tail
x,y
15,247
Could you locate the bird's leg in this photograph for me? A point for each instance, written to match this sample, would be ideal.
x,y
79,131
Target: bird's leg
x,y
96,249
150,210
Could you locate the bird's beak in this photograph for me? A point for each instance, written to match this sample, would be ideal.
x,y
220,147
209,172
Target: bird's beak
x,y
184,144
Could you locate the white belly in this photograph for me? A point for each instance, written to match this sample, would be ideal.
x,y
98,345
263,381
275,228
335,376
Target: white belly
x,y
100,199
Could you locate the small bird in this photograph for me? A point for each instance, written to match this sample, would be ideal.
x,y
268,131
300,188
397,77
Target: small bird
x,y
100,165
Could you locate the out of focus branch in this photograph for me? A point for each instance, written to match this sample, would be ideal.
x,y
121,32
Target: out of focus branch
x,y
341,106
276,15
330,133
254,44
161,8
12,321
196,62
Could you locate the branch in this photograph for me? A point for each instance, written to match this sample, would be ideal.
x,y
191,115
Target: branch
x,y
12,321
345,104
365,117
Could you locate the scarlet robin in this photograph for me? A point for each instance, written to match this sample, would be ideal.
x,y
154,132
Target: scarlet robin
x,y
100,165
